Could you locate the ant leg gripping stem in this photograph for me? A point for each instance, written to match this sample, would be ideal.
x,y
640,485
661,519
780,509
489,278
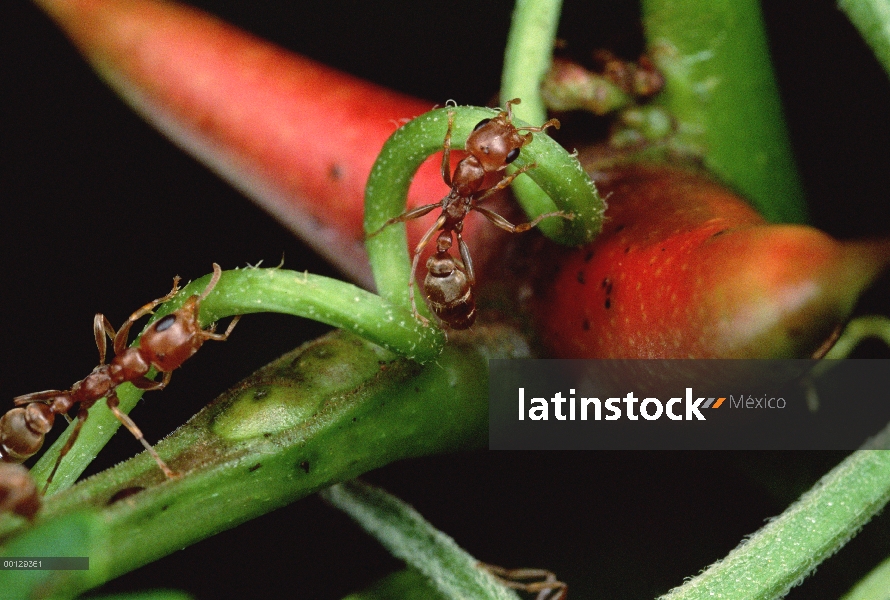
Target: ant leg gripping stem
x,y
549,588
164,346
127,422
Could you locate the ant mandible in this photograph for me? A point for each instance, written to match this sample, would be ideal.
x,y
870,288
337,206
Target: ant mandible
x,y
168,343
493,144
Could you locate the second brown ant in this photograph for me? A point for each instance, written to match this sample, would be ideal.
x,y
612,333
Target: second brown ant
x,y
493,144
168,343
18,492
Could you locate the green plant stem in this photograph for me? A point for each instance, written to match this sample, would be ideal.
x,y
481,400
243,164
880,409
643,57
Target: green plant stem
x,y
527,58
559,174
407,584
872,19
149,595
874,586
720,87
858,329
788,548
324,413
248,291
410,537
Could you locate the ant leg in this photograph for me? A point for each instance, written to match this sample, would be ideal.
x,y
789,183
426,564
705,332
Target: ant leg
x,y
417,251
446,151
551,123
506,225
221,337
37,397
510,104
467,260
503,183
127,422
120,339
509,577
102,327
82,415
217,273
414,213
149,385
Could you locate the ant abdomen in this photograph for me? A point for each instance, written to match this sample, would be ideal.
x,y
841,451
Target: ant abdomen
x,y
22,431
449,292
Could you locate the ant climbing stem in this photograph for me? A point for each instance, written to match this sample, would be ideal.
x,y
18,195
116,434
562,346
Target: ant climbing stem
x,y
493,144
164,346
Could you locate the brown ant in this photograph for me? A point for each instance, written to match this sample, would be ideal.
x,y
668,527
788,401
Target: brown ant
x,y
493,144
549,588
18,492
168,343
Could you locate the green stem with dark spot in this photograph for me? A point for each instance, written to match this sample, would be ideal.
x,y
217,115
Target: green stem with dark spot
x,y
248,291
324,413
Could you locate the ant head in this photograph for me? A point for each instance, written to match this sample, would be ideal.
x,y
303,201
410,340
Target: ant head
x,y
172,339
496,142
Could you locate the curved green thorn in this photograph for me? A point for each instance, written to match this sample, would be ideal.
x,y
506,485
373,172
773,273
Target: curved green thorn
x,y
558,173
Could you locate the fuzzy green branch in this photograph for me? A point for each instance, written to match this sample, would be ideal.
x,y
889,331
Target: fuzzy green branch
x,y
874,586
324,413
559,174
872,19
527,59
528,56
248,291
781,554
720,87
407,584
857,330
410,537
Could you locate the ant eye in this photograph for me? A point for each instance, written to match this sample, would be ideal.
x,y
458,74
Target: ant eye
x,y
511,156
481,124
165,323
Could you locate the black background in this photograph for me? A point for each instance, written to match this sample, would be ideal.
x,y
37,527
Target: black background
x,y
99,212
